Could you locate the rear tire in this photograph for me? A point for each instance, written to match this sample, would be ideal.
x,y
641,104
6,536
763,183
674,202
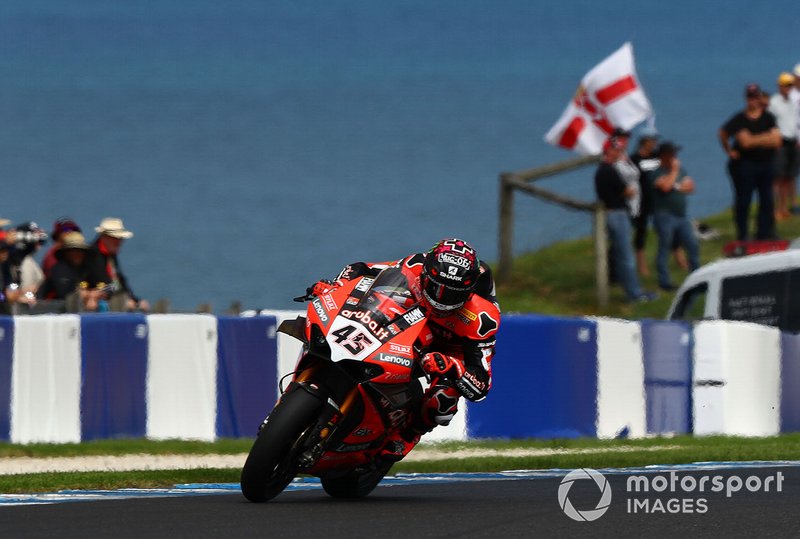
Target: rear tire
x,y
357,483
270,466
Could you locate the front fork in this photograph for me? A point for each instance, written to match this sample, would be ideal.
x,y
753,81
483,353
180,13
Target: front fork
x,y
328,422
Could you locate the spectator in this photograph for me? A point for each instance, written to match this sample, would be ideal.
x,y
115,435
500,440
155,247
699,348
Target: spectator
x,y
670,185
614,190
9,288
646,161
786,163
794,95
61,226
104,263
29,239
71,274
751,163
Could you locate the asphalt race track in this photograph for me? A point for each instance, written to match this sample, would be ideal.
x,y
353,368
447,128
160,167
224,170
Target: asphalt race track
x,y
511,507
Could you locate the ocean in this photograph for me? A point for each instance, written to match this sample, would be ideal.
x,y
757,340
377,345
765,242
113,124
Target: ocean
x,y
256,146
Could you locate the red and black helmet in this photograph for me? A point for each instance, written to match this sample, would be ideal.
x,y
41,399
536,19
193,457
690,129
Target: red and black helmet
x,y
449,275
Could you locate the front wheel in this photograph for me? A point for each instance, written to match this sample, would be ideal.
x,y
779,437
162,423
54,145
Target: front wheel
x,y
270,466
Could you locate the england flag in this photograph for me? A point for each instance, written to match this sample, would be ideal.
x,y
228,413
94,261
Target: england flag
x,y
608,97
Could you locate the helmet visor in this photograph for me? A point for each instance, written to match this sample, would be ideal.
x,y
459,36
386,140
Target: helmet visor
x,y
444,298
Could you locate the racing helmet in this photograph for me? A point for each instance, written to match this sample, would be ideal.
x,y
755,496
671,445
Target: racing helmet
x,y
449,275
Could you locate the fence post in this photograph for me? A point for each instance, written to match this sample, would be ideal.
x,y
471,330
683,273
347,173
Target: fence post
x,y
600,253
506,228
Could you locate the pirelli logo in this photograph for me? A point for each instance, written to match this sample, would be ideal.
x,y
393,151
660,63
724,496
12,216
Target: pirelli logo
x,y
469,315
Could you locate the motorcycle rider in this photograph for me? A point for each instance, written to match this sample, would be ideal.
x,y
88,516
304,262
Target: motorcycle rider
x,y
457,291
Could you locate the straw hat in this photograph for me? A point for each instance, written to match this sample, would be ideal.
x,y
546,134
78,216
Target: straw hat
x,y
73,240
113,226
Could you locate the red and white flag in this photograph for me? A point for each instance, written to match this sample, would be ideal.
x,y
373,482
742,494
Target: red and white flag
x,y
608,97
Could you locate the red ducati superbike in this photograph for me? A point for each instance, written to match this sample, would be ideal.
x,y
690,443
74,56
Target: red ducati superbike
x,y
354,385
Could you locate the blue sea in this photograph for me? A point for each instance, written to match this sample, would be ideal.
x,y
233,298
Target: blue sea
x,y
256,146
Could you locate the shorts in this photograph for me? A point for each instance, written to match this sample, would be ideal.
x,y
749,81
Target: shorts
x,y
787,164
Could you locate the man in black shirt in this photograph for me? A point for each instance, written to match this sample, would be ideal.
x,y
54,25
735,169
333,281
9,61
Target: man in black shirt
x,y
755,138
614,190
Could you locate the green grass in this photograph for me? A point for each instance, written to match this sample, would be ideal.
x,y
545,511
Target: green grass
x,y
559,279
675,450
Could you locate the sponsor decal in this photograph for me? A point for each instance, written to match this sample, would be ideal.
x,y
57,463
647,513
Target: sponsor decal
x,y
329,303
402,349
364,284
396,377
450,277
466,313
397,360
459,261
323,316
362,432
465,390
414,316
366,319
471,378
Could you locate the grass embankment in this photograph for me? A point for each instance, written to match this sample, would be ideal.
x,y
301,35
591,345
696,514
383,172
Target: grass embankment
x,y
560,280
533,454
557,280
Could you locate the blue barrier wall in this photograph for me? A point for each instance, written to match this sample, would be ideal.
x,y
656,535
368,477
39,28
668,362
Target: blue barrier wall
x,y
667,355
6,359
790,383
247,374
114,370
544,381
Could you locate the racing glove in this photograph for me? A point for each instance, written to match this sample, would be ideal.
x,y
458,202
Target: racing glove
x,y
323,286
438,364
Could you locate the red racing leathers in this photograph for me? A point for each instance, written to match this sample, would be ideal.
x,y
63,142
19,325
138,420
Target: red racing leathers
x,y
467,336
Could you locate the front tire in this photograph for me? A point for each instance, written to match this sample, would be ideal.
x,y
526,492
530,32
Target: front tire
x,y
270,466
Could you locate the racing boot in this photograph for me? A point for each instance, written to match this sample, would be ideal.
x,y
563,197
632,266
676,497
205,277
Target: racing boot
x,y
439,405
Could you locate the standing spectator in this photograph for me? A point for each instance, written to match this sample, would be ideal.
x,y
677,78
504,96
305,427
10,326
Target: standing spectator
x,y
646,161
794,95
751,163
786,163
60,227
670,185
110,235
614,190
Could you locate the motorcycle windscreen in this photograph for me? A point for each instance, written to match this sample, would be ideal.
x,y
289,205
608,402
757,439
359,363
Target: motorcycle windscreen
x,y
380,310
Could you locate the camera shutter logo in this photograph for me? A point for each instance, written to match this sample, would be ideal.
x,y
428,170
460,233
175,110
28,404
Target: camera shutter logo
x,y
591,514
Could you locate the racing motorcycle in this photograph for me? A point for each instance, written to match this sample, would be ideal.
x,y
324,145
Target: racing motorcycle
x,y
355,384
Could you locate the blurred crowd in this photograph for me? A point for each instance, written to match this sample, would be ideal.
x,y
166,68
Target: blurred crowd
x,y
60,271
649,185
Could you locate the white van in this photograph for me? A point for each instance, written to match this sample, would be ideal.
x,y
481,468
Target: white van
x,y
762,288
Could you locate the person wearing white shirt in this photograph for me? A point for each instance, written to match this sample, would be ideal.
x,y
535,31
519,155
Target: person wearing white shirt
x,y
785,110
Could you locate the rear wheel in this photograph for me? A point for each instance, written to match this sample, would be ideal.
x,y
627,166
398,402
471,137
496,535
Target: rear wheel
x,y
356,484
271,466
